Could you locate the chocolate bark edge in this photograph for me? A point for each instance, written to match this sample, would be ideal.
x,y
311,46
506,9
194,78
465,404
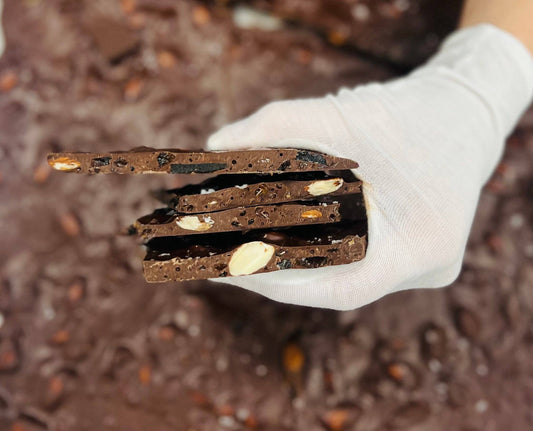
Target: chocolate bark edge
x,y
200,257
263,255
174,161
167,222
210,196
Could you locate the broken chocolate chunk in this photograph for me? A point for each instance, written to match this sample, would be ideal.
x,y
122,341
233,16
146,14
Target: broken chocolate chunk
x,y
170,258
261,209
231,191
148,160
167,222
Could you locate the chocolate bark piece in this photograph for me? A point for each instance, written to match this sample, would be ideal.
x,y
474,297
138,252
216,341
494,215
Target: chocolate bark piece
x,y
113,39
232,254
232,191
168,222
150,160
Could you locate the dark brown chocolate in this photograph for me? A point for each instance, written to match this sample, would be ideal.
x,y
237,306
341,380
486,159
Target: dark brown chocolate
x,y
113,39
232,191
228,254
150,160
167,222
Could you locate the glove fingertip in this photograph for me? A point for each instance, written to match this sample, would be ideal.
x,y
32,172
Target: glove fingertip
x,y
220,140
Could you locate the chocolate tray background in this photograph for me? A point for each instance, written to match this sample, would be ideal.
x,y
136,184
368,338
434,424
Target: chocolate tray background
x,y
86,344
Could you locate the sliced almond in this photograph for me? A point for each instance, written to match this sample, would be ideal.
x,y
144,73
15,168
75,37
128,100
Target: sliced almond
x,y
311,214
323,187
250,257
194,223
64,164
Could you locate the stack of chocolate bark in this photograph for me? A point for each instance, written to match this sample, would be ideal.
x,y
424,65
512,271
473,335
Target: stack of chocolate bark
x,y
266,210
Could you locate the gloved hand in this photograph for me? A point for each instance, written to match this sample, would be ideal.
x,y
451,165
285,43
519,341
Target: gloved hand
x,y
425,144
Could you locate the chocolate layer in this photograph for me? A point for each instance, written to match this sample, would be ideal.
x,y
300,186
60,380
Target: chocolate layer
x,y
150,160
228,254
232,191
167,222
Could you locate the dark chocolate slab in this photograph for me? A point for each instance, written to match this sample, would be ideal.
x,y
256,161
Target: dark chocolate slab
x,y
228,254
167,222
232,191
150,160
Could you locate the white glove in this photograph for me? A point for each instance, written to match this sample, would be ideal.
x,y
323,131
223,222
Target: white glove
x,y
425,144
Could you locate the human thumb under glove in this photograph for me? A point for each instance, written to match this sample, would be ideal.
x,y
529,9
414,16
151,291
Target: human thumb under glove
x,y
425,144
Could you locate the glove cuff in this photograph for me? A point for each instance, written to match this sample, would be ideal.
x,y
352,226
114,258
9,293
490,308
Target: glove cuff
x,y
495,65
495,68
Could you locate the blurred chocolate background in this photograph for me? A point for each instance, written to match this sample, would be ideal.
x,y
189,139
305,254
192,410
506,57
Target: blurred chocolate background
x,y
86,344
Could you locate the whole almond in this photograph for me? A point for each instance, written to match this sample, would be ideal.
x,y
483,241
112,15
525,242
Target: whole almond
x,y
250,257
323,187
311,214
64,164
194,223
